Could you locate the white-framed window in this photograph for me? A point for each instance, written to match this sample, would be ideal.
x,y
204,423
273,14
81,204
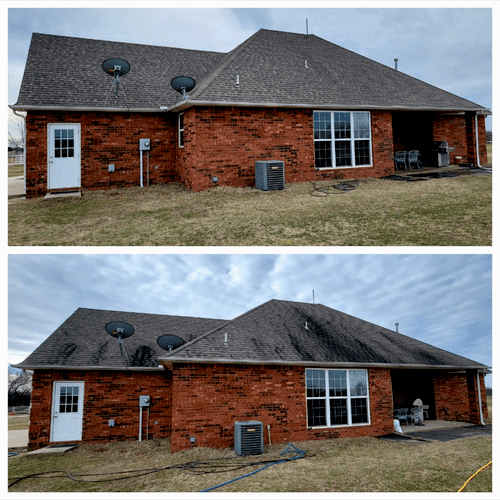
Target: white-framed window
x,y
337,397
180,128
342,139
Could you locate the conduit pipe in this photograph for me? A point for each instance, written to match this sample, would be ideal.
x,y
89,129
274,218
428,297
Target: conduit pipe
x,y
141,186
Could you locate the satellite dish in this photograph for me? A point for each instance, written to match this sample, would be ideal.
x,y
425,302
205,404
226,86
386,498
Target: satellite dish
x,y
183,84
120,330
169,342
116,67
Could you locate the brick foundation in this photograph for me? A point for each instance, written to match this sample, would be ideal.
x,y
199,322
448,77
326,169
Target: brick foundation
x,y
107,395
208,399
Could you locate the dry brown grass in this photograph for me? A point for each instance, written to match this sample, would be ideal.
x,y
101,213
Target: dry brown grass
x,y
439,212
343,465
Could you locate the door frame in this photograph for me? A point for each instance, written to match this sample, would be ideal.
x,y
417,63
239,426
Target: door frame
x,y
78,157
55,403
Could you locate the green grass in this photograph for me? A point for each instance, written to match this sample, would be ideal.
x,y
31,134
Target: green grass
x,y
441,212
343,465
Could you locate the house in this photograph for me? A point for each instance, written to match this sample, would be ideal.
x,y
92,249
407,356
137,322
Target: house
x,y
276,96
274,363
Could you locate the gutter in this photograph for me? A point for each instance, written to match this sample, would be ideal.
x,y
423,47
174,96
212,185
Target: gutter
x,y
181,105
169,361
158,368
21,107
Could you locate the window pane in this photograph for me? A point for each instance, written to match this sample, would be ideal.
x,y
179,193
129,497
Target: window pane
x,y
342,125
322,125
357,379
361,125
64,134
359,411
323,154
362,152
70,134
338,411
315,383
338,383
343,154
316,412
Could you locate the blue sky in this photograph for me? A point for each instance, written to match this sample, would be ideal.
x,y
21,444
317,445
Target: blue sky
x,y
444,300
450,48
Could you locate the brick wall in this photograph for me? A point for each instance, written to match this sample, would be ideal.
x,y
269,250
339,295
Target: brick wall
x,y
208,399
226,142
107,395
106,138
456,397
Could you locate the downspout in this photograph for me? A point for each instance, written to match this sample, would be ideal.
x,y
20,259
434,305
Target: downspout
x,y
24,145
480,399
477,144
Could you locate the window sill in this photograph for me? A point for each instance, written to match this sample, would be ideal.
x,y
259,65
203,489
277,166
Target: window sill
x,y
366,424
343,168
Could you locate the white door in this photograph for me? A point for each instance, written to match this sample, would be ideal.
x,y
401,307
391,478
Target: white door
x,y
64,156
67,411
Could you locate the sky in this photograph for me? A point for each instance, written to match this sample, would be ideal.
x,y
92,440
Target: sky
x,y
441,299
450,48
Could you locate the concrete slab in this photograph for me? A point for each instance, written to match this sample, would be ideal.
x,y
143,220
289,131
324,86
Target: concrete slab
x,y
53,448
64,194
16,187
18,439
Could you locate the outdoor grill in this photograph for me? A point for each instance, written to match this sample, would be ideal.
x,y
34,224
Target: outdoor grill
x,y
440,154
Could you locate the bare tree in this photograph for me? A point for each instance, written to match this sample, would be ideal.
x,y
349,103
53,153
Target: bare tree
x,y
19,388
16,137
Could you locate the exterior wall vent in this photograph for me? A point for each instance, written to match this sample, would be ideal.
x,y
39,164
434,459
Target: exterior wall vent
x,y
270,175
248,438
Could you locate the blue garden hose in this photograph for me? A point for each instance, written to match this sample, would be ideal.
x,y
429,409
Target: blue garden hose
x,y
300,454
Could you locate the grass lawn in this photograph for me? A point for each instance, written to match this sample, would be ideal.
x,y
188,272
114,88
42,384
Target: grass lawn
x,y
441,212
19,423
336,465
16,170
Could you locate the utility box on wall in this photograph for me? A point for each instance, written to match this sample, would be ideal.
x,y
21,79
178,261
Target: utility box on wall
x,y
144,401
248,438
144,144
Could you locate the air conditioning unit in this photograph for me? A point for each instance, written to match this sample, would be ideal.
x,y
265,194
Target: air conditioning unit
x,y
270,175
248,438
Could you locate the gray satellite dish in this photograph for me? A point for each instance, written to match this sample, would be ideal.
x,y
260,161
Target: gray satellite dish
x,y
120,330
116,67
183,84
169,342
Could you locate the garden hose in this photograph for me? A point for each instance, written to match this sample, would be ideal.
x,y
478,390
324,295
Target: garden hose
x,y
474,475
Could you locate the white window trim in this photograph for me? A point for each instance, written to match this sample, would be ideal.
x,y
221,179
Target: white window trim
x,y
327,399
180,130
352,139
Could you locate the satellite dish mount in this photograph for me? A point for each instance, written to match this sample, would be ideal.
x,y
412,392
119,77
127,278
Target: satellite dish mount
x,y
120,330
116,68
183,84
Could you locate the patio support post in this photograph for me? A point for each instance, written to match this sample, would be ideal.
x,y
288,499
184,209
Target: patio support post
x,y
479,383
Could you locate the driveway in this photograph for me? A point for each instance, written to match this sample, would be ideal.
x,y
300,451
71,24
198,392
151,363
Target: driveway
x,y
443,435
16,187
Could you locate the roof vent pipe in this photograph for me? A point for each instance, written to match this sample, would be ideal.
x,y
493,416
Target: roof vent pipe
x,y
237,80
396,63
397,324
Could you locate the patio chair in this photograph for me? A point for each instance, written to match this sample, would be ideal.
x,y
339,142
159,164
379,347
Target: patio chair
x,y
400,159
414,159
417,416
402,415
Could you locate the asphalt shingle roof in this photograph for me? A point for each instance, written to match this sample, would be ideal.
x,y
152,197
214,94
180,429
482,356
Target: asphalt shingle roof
x,y
271,65
82,341
276,332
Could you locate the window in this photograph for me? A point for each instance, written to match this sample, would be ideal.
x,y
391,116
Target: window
x,y
68,400
336,397
180,123
342,139
64,143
